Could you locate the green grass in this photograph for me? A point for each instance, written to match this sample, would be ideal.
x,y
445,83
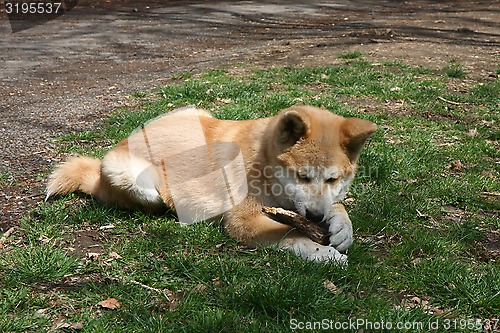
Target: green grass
x,y
350,55
423,206
454,70
140,94
5,179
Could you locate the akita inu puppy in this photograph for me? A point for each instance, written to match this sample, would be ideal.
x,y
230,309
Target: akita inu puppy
x,y
302,159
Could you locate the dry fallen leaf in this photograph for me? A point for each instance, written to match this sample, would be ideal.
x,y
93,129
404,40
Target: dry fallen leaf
x,y
75,326
472,132
175,299
42,313
415,302
200,288
487,123
61,324
93,256
457,165
216,282
330,287
115,255
112,256
349,201
110,303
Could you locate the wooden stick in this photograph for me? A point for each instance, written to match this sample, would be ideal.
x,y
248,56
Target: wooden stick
x,y
310,229
448,101
492,194
5,236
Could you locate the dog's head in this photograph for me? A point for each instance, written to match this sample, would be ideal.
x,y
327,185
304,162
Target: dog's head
x,y
318,153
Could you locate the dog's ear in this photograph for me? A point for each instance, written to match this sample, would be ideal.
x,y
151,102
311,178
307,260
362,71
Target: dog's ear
x,y
292,126
354,132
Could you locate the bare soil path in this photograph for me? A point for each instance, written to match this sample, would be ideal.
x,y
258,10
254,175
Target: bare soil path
x,y
67,74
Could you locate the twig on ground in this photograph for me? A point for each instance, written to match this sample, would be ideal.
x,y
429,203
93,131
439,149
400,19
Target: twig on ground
x,y
5,236
164,293
492,194
448,101
142,285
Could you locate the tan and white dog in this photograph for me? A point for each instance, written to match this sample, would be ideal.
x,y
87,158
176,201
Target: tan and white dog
x,y
302,159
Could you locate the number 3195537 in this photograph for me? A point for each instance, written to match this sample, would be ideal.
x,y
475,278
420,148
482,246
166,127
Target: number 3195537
x,y
33,7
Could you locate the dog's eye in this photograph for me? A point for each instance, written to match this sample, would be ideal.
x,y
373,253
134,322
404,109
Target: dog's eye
x,y
331,180
303,176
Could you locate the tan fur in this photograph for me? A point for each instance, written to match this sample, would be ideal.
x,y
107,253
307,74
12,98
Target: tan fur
x,y
78,173
302,140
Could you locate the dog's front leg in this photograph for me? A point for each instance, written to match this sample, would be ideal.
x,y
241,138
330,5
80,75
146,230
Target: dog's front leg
x,y
249,225
340,228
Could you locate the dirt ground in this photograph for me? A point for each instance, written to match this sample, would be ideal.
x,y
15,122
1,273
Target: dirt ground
x,y
68,74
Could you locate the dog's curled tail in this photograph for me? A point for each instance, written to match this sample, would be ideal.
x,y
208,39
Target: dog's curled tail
x,y
77,173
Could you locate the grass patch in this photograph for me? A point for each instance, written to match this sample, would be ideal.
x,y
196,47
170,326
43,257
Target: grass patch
x,y
37,264
454,70
350,55
424,206
6,178
139,94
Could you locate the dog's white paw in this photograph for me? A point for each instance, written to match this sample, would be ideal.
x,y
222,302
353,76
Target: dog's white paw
x,y
327,253
340,228
309,250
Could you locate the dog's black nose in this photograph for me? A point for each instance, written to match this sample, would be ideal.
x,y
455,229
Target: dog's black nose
x,y
314,216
